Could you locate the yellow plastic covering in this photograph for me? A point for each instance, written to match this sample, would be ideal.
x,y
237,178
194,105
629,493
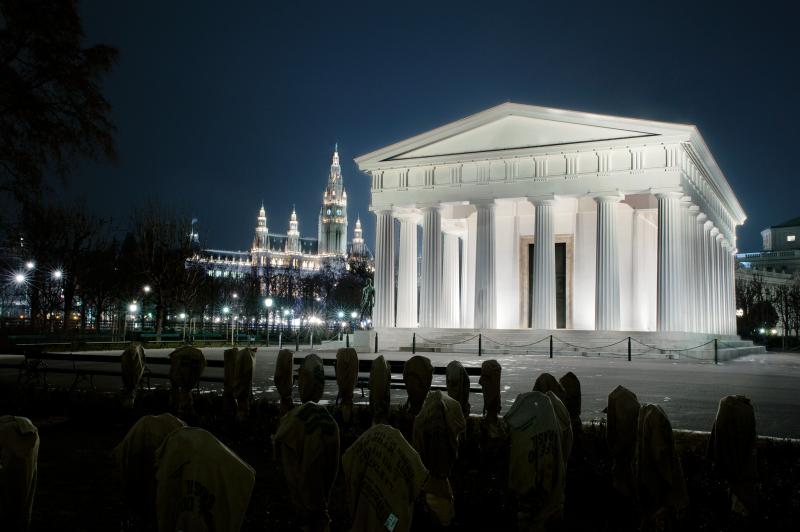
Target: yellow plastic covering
x,y
380,390
187,366
659,476
383,475
536,466
283,378
240,365
623,418
136,458
307,447
732,448
202,485
19,453
311,378
132,361
458,384
417,376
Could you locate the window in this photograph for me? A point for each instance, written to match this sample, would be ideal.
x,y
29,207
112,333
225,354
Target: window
x,y
790,238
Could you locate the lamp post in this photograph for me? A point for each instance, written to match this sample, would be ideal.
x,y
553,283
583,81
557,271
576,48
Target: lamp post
x,y
268,303
225,311
182,316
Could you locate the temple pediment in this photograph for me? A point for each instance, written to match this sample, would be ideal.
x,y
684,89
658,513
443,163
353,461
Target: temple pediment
x,y
512,127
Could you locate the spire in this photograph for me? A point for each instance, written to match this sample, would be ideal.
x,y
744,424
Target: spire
x,y
294,214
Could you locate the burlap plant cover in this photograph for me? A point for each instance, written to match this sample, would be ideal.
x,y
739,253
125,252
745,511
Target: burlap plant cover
x,y
417,376
383,475
623,417
732,449
661,488
307,448
490,388
202,485
136,458
187,366
547,383
437,429
536,465
284,371
458,384
19,455
311,379
240,365
132,362
346,377
380,377
565,424
572,400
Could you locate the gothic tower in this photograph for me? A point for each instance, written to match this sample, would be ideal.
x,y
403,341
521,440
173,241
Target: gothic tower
x,y
333,215
358,240
293,236
261,241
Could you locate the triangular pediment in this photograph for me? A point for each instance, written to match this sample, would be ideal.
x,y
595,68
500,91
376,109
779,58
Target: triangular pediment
x,y
511,128
515,132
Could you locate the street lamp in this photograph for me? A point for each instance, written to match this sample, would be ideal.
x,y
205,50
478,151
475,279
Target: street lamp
x,y
30,265
57,274
20,278
146,288
340,314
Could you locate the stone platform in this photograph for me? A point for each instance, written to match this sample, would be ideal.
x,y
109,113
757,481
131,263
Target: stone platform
x,y
647,344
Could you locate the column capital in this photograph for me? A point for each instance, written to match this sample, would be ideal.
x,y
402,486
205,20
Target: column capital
x,y
381,210
694,209
548,199
607,197
407,214
427,207
708,225
702,218
483,202
668,194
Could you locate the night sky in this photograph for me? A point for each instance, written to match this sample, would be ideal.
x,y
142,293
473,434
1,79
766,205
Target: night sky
x,y
220,105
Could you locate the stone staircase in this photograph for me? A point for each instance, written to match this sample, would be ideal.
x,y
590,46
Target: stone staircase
x,y
646,344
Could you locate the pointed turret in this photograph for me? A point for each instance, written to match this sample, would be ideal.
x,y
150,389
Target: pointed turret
x,y
260,242
293,235
333,217
358,239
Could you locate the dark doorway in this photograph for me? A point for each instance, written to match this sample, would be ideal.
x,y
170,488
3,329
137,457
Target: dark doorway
x,y
561,285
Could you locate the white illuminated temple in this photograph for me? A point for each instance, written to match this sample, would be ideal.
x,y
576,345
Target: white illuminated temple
x,y
537,218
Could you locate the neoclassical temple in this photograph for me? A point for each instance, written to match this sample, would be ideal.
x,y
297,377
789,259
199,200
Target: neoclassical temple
x,y
538,218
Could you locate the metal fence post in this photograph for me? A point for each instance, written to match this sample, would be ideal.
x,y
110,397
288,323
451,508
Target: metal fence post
x,y
297,340
551,346
376,341
629,348
480,344
347,340
414,344
716,359
268,336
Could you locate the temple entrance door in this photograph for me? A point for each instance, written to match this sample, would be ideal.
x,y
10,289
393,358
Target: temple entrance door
x,y
561,284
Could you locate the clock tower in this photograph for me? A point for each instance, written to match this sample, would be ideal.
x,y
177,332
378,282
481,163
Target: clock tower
x,y
333,215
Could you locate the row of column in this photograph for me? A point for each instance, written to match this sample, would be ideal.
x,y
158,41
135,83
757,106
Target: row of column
x,y
695,284
696,290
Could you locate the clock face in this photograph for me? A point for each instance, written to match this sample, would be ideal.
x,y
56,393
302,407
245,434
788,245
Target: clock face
x,y
338,212
329,212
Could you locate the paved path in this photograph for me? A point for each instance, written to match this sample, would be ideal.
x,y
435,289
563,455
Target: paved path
x,y
688,391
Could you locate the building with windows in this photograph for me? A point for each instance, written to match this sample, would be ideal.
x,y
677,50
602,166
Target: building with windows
x,y
780,252
272,250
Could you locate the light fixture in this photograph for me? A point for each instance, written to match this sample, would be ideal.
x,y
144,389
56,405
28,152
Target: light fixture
x,y
182,315
235,295
30,265
133,307
225,310
340,314
146,288
19,278
354,314
57,274
268,302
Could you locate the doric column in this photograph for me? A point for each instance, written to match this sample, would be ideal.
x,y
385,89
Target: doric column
x,y
732,291
726,287
670,260
716,257
485,289
692,271
407,271
606,300
431,282
702,289
451,300
544,265
383,313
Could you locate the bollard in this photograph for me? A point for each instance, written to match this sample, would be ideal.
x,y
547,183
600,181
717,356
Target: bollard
x,y
629,348
297,341
280,340
376,341
311,341
347,340
480,344
551,346
715,351
414,344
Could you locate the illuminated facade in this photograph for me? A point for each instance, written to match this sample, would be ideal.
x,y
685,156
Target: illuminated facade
x,y
290,251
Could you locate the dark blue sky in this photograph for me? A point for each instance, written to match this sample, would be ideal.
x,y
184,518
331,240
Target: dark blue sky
x,y
219,105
